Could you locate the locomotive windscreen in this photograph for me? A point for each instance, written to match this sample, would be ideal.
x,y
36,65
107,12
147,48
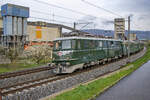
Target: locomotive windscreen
x,y
64,44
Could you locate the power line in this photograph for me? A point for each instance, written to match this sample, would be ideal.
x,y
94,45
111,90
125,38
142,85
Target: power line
x,y
50,20
56,6
101,8
54,14
67,9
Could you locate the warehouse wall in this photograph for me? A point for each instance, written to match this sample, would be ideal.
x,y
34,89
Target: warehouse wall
x,y
39,33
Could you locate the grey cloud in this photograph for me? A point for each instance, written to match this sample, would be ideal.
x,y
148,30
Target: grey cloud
x,y
87,18
130,5
107,22
144,17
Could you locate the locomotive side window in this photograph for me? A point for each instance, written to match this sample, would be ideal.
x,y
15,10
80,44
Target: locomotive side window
x,y
86,44
117,44
91,44
66,44
110,44
100,44
105,44
79,44
73,44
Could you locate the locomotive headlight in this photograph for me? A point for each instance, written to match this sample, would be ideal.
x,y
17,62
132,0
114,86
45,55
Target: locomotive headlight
x,y
67,63
53,64
67,58
53,58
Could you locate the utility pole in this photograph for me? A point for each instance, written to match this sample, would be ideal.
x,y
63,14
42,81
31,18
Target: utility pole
x,y
53,17
128,38
74,25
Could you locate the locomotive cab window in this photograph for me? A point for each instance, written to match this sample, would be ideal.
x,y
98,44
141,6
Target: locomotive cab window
x,y
66,44
57,45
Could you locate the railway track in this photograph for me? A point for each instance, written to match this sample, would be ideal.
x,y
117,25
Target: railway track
x,y
43,81
24,72
39,82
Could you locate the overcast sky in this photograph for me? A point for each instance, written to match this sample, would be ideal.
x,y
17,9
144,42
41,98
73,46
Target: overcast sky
x,y
138,9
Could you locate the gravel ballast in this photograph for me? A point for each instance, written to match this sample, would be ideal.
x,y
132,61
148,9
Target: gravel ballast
x,y
59,85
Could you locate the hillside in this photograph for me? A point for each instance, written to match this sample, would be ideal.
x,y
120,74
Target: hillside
x,y
140,34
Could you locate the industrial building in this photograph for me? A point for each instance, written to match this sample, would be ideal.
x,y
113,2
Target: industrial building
x,y
119,27
15,31
132,36
14,25
42,33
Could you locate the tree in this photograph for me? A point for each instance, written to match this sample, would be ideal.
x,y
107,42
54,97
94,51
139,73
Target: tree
x,y
2,50
38,53
11,54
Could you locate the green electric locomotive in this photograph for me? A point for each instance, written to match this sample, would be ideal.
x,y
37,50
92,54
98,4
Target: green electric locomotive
x,y
72,53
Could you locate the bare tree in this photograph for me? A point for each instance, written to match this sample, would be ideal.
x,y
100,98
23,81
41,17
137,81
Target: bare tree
x,y
2,50
11,54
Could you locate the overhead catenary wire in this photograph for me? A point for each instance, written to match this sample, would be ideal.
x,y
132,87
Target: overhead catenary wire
x,y
56,6
51,20
63,8
67,9
91,4
60,16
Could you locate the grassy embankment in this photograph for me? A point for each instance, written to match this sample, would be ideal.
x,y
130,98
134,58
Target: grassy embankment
x,y
85,92
20,65
16,66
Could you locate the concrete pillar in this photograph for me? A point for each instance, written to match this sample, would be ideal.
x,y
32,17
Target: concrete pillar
x,y
15,25
24,26
19,26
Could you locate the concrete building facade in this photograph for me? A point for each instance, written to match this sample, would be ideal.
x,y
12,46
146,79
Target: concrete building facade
x,y
37,32
133,37
119,27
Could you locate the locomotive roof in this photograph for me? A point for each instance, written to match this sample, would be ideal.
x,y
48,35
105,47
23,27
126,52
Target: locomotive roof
x,y
86,38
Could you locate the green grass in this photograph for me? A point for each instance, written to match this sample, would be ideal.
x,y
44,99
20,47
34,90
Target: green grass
x,y
15,67
85,92
21,64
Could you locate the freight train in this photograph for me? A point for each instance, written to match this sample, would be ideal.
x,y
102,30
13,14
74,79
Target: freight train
x,y
72,53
